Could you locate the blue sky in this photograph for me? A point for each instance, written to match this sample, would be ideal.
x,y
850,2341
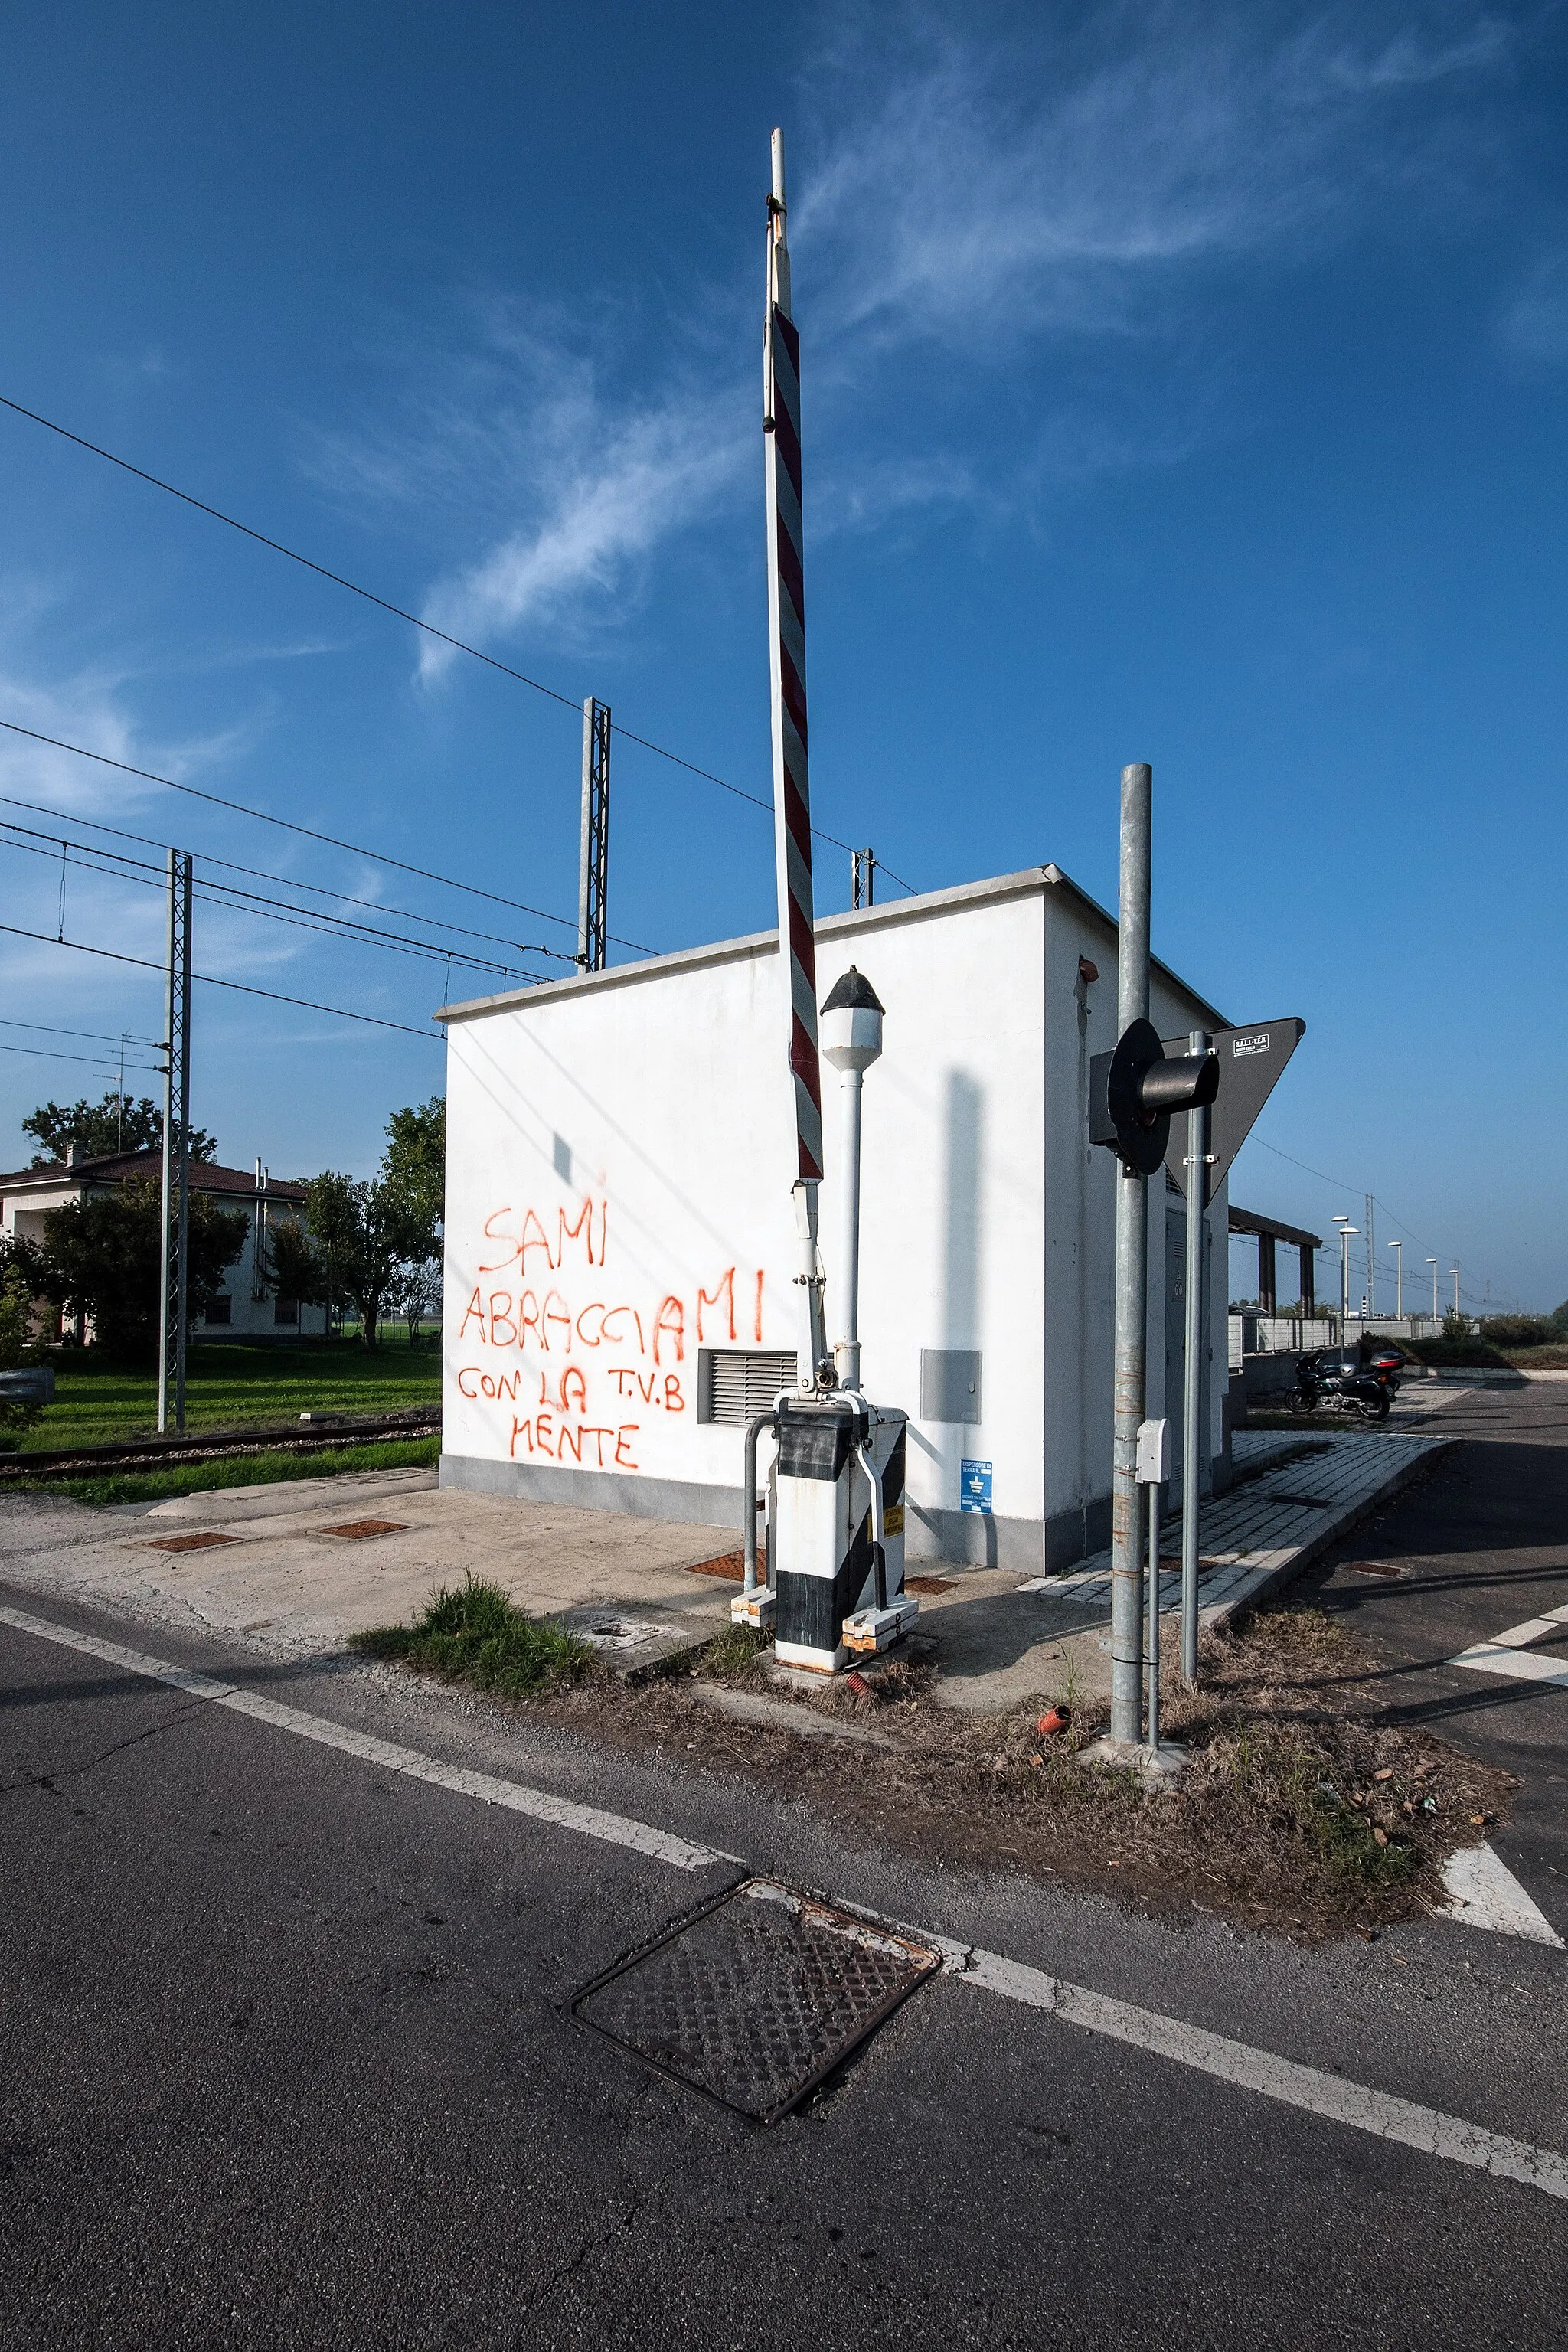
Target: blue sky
x,y
1180,384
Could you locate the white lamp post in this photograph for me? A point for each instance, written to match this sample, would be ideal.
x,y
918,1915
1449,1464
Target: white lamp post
x,y
851,1040
1398,1281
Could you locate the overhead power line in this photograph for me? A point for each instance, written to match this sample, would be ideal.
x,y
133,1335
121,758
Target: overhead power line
x,y
1351,1191
97,1036
211,980
253,902
95,1061
265,816
416,621
286,881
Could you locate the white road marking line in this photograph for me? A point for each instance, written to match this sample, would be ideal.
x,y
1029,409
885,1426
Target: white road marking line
x,y
1518,1665
588,1821
1329,2095
1509,1652
1260,2071
1483,1892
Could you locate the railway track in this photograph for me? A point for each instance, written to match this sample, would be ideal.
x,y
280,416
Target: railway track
x,y
318,1433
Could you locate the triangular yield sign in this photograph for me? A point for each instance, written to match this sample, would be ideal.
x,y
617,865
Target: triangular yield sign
x,y
1250,1060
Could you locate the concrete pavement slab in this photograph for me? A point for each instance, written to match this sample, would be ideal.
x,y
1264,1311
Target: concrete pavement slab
x,y
284,1579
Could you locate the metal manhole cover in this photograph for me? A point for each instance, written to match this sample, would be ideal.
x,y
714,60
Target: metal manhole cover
x,y
189,1543
758,1998
357,1529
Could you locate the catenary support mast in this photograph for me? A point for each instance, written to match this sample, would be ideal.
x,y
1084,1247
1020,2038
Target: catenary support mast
x,y
174,1296
594,860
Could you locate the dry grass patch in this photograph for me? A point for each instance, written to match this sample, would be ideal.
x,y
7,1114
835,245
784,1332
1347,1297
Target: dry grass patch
x,y
1301,1810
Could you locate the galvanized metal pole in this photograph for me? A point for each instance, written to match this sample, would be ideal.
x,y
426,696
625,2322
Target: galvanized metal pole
x,y
1132,1285
1196,1366
1155,1492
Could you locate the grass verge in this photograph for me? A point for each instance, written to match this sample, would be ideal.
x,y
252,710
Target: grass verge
x,y
1303,1809
229,1383
237,1470
474,1633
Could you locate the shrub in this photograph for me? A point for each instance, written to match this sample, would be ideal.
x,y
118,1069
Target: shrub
x,y
1518,1331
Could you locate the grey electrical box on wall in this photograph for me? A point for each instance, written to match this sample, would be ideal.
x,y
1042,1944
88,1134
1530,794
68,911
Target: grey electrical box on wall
x,y
950,1384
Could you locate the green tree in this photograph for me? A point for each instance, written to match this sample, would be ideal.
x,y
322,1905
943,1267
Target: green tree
x,y
290,1266
18,1290
414,1171
116,1124
101,1258
356,1235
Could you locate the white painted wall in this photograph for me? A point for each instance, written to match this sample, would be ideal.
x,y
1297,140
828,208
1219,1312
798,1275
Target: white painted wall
x,y
656,1109
619,1160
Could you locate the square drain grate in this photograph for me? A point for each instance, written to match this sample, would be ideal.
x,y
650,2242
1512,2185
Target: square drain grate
x,y
730,1565
356,1530
189,1543
758,1998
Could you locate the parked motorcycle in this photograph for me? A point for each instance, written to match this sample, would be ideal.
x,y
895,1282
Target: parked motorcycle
x,y
1387,1362
1342,1384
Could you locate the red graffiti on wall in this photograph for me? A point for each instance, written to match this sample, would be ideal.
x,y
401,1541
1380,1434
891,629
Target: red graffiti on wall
x,y
570,1346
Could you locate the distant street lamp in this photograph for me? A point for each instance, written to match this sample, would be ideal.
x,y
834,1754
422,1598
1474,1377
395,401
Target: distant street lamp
x,y
1433,1264
1346,1232
1455,1271
1398,1283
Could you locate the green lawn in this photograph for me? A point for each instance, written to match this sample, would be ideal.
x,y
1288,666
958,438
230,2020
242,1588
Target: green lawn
x,y
231,1384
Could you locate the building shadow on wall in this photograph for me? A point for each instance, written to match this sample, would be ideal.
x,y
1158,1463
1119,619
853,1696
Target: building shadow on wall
x,y
965,1126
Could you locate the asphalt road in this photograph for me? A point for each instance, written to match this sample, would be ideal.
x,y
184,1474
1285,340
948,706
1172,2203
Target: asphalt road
x,y
287,2056
1481,1545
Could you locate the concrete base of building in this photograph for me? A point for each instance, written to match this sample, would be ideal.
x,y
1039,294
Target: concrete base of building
x,y
963,1539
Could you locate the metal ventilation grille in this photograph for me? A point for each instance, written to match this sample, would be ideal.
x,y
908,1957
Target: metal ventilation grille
x,y
733,1383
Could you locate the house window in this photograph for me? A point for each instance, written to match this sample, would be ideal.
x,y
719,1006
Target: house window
x,y
220,1310
286,1310
733,1383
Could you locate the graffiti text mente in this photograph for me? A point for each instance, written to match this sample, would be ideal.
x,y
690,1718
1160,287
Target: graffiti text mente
x,y
532,1316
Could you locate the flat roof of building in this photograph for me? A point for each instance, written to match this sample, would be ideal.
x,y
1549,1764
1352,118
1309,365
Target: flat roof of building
x,y
1029,880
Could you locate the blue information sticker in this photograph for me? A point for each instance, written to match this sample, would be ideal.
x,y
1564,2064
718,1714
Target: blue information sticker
x,y
974,1486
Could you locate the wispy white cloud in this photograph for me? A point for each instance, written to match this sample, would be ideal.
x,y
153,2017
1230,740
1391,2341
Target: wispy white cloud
x,y
1005,183
968,188
1535,322
598,497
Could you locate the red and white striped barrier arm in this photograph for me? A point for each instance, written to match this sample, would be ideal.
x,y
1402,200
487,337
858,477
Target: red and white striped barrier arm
x,y
787,615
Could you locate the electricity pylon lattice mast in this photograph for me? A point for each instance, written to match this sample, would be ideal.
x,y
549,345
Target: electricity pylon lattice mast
x,y
174,1305
593,863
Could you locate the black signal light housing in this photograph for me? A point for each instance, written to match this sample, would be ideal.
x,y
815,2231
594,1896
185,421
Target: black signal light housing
x,y
1134,1093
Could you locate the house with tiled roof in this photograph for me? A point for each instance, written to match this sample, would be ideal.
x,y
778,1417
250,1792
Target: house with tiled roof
x,y
246,1308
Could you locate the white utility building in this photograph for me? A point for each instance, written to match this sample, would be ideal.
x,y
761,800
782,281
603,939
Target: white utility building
x,y
621,1252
